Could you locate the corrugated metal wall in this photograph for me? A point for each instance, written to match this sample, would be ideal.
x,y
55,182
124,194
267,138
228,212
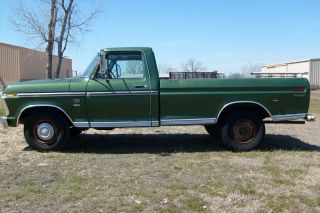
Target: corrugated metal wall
x,y
20,64
311,66
33,65
314,75
9,64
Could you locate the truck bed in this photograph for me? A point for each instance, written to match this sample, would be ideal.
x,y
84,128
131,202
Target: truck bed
x,y
204,98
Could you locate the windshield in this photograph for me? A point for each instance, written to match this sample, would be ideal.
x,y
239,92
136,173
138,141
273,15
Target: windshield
x,y
90,68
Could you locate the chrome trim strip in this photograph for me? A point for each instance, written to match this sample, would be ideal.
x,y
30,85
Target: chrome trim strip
x,y
195,121
4,122
155,123
146,92
149,80
243,102
49,94
81,124
120,124
290,117
66,94
42,105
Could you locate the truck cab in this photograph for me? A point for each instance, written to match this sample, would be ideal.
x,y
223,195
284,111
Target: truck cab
x,y
123,91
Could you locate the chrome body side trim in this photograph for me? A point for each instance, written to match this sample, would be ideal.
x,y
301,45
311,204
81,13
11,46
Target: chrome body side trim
x,y
57,94
81,124
243,102
45,94
155,123
195,121
290,117
146,92
67,94
42,105
120,124
154,92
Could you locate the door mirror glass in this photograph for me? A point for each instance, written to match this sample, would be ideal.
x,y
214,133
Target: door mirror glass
x,y
102,62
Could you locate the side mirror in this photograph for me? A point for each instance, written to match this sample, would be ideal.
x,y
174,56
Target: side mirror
x,y
102,62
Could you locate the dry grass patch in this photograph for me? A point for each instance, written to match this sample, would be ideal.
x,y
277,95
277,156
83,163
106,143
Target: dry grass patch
x,y
315,102
175,169
1,110
167,169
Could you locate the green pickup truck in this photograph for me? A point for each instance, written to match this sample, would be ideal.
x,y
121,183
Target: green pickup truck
x,y
121,88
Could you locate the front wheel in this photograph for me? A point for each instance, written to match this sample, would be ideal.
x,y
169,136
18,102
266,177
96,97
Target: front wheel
x,y
73,131
46,132
243,130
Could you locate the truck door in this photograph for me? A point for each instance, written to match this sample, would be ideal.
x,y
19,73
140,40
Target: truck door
x,y
121,96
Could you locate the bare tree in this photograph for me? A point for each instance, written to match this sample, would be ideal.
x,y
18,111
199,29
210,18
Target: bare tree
x,y
27,21
248,68
192,65
59,28
64,32
71,22
134,67
50,37
166,68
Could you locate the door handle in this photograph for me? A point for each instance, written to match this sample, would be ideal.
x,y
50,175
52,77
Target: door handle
x,y
139,86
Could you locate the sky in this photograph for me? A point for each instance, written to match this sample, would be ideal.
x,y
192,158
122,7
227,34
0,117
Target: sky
x,y
224,35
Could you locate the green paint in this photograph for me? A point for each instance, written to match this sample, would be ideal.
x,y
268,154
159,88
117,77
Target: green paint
x,y
172,99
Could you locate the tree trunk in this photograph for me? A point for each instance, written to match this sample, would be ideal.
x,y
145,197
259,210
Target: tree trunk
x,y
58,69
51,35
61,39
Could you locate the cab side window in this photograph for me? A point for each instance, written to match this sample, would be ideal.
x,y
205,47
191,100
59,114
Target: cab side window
x,y
125,65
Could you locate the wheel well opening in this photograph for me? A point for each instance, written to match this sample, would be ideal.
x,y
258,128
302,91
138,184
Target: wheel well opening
x,y
252,107
42,109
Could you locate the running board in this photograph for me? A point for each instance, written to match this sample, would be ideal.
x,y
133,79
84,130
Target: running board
x,y
285,122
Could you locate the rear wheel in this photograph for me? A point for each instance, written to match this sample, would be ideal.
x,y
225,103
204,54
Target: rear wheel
x,y
243,130
213,130
46,132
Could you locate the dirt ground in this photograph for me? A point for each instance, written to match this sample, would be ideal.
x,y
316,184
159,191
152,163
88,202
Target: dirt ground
x,y
167,169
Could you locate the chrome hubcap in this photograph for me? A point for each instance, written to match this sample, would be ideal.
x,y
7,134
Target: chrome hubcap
x,y
45,131
244,131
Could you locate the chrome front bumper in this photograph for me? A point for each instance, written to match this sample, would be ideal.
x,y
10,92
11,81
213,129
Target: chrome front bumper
x,y
310,117
3,121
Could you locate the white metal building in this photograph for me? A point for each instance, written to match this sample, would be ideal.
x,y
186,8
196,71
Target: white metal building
x,y
309,69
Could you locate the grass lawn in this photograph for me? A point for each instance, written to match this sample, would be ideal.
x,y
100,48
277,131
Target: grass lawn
x,y
2,112
167,169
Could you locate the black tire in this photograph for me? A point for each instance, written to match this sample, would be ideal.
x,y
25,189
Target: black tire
x,y
74,132
60,134
243,130
213,130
